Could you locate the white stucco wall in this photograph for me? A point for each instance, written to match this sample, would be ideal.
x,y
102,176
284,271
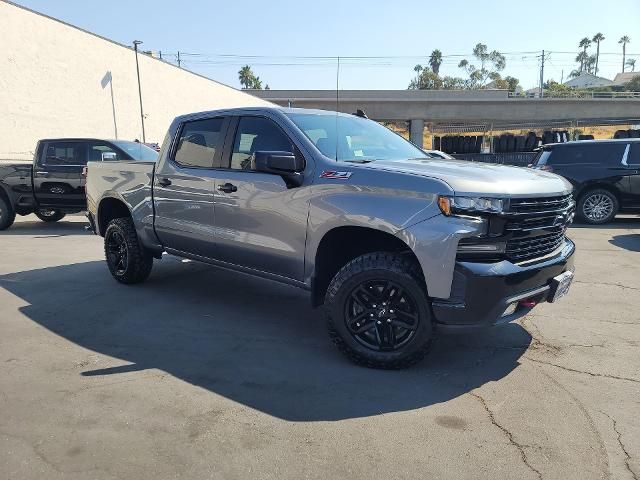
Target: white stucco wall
x,y
54,82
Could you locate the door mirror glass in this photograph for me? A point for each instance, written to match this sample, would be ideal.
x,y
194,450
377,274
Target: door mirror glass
x,y
109,156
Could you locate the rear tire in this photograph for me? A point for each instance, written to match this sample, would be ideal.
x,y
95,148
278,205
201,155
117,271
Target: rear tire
x,y
597,206
378,312
128,261
7,214
49,215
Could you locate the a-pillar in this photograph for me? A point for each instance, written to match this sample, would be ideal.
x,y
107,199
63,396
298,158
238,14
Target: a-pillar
x,y
416,132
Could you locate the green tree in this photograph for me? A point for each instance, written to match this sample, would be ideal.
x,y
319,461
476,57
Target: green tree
x,y
435,60
245,75
426,80
631,62
597,38
624,40
248,79
582,59
633,85
584,44
590,64
490,64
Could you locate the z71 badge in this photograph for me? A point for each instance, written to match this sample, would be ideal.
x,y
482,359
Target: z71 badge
x,y
334,174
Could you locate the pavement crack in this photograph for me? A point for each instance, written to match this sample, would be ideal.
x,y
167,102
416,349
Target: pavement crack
x,y
508,434
592,374
609,284
627,459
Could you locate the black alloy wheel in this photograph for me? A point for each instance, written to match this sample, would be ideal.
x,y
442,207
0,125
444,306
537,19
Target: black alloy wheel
x,y
380,315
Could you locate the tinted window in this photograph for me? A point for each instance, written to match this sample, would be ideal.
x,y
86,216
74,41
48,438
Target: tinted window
x,y
634,154
199,143
351,138
137,150
66,153
603,154
97,149
257,134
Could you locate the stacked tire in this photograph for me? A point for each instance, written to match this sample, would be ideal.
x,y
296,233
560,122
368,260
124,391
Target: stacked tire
x,y
458,143
631,133
508,142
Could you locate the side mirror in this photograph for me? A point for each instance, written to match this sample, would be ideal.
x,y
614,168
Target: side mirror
x,y
109,156
285,164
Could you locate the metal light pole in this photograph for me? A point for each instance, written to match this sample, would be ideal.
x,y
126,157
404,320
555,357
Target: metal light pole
x,y
135,47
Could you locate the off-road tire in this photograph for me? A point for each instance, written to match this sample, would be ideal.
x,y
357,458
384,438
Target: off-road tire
x,y
591,193
56,216
139,260
394,267
7,214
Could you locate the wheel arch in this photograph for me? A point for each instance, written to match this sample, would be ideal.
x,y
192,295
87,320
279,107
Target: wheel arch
x,y
598,186
110,207
342,244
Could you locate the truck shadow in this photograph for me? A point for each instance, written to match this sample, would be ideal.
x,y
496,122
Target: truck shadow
x,y
252,341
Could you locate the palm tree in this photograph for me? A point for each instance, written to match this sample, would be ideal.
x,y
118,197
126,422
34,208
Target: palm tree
x,y
582,58
245,75
624,40
418,68
598,37
584,44
632,63
435,60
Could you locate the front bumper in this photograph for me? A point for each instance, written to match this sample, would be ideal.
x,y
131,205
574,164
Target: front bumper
x,y
481,292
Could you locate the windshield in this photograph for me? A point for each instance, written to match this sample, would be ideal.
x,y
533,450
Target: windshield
x,y
357,139
137,151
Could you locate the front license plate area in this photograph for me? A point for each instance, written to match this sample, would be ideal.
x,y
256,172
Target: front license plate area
x,y
560,286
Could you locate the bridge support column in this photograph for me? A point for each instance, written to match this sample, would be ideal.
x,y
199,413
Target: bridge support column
x,y
416,132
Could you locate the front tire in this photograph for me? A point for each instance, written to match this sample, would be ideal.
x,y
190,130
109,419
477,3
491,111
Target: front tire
x,y
49,215
378,312
598,206
7,214
128,261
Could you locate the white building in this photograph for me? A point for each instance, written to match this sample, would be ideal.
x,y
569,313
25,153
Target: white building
x,y
588,80
57,80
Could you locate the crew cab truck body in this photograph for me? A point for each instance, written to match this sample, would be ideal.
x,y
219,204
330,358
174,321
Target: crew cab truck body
x,y
54,184
395,245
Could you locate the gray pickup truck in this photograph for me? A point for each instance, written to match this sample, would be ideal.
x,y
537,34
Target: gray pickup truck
x,y
396,245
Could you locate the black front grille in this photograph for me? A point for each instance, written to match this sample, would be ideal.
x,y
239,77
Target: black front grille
x,y
537,226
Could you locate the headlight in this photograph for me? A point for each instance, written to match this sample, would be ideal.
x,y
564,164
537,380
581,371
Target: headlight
x,y
470,205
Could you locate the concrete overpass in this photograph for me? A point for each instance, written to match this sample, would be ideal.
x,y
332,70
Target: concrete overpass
x,y
486,109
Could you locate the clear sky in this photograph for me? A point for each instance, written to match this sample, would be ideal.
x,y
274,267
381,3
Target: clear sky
x,y
273,34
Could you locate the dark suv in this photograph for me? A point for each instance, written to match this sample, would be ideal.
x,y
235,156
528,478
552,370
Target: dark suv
x,y
605,175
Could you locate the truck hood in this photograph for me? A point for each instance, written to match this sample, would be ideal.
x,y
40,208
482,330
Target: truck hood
x,y
474,178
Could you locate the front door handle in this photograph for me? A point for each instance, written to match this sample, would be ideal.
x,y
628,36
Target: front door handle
x,y
228,188
164,182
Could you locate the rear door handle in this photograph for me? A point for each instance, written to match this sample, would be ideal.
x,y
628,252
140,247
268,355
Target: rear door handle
x,y
228,188
41,173
164,182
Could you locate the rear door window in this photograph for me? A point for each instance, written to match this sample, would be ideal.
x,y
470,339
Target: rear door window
x,y
606,154
200,143
96,149
67,154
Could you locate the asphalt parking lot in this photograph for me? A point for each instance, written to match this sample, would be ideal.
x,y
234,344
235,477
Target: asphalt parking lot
x,y
202,373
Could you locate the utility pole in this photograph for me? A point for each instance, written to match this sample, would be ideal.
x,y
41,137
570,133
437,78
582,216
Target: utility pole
x,y
542,76
135,47
179,60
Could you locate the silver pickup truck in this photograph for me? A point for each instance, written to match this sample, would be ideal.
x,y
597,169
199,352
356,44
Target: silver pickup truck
x,y
396,245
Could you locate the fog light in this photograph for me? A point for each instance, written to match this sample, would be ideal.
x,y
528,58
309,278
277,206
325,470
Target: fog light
x,y
510,310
